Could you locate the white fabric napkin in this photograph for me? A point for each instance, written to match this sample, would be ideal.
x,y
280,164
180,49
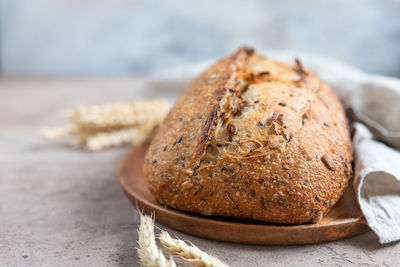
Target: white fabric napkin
x,y
375,102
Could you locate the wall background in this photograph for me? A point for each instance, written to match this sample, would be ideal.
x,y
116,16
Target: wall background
x,y
120,37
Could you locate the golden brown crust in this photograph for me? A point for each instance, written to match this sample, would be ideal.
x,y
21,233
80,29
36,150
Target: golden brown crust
x,y
252,138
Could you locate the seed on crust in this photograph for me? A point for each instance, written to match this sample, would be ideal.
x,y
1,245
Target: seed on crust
x,y
178,140
187,185
299,67
326,159
273,142
262,202
252,192
232,129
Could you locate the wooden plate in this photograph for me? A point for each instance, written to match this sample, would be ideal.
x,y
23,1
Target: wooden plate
x,y
344,220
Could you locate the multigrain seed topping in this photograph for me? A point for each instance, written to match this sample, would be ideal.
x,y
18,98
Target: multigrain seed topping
x,y
269,142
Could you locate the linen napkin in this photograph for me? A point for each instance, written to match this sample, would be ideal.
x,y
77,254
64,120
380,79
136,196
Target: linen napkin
x,y
375,103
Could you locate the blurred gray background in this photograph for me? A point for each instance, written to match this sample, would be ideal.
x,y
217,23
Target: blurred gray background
x,y
125,37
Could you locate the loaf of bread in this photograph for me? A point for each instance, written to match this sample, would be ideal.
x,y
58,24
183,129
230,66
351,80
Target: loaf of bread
x,y
253,138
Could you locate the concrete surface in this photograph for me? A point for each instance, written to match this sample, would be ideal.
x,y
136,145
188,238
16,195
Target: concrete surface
x,y
63,207
140,36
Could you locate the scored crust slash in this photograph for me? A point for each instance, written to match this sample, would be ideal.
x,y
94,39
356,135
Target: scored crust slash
x,y
253,138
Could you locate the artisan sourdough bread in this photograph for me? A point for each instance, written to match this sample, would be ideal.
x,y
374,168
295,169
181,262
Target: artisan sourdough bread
x,y
252,138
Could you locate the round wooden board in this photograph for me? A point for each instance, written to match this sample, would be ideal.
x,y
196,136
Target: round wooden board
x,y
344,220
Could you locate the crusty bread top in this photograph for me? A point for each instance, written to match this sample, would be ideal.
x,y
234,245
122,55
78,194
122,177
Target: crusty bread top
x,y
253,138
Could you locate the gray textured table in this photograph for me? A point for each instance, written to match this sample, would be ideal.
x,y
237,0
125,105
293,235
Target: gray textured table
x,y
63,207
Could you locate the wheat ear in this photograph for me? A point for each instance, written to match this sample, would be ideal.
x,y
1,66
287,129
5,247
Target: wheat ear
x,y
149,254
189,253
58,132
132,135
97,127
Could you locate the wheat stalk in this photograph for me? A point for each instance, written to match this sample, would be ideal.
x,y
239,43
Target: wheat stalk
x,y
101,126
58,132
123,113
133,135
189,253
149,254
